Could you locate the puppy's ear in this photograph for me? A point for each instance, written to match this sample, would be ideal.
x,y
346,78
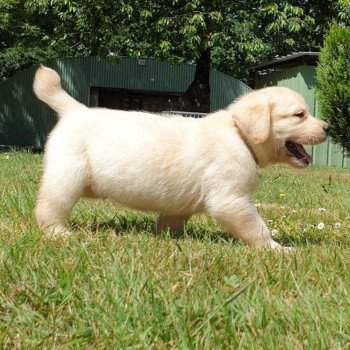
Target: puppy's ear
x,y
252,115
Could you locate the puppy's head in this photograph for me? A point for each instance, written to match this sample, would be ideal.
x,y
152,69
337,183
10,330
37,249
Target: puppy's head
x,y
276,122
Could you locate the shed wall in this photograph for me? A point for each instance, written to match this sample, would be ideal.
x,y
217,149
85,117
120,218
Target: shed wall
x,y
25,121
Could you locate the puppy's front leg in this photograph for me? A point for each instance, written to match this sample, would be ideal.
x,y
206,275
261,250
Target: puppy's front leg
x,y
241,218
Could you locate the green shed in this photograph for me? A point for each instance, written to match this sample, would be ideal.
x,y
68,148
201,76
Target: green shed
x,y
297,71
142,84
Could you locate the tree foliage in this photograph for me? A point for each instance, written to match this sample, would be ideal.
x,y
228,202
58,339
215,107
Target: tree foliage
x,y
227,35
40,30
333,75
24,37
237,33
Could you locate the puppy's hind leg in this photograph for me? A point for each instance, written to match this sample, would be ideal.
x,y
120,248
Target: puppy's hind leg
x,y
60,189
175,224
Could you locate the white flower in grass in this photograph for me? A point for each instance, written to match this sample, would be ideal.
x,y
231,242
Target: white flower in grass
x,y
320,226
337,225
294,211
274,232
321,210
7,157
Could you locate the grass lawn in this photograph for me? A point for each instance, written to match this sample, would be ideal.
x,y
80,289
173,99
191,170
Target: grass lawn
x,y
115,284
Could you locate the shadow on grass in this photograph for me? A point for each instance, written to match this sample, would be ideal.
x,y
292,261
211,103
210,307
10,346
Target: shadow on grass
x,y
304,241
134,223
122,224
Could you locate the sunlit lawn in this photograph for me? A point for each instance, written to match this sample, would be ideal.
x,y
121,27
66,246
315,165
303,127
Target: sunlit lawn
x,y
115,284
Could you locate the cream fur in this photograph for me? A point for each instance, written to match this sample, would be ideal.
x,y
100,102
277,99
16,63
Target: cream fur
x,y
175,166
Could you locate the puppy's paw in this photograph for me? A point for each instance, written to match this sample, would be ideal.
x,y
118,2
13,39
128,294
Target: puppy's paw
x,y
288,249
57,232
280,248
273,245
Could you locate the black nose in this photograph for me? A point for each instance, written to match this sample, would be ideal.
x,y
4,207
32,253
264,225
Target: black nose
x,y
326,128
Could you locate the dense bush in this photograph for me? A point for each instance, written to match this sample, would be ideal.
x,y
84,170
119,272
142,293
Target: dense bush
x,y
333,75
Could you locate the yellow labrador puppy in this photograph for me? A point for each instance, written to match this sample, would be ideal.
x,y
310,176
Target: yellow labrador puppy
x,y
175,166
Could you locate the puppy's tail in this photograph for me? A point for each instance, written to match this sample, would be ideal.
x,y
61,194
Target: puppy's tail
x,y
47,87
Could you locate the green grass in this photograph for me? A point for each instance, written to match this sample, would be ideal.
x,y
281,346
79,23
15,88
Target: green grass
x,y
116,284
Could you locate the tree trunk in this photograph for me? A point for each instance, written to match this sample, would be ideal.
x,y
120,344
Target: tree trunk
x,y
197,97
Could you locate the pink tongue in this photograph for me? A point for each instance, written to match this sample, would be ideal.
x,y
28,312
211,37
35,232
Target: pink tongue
x,y
302,151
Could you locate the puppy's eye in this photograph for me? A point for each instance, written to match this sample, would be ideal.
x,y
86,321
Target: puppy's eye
x,y
299,114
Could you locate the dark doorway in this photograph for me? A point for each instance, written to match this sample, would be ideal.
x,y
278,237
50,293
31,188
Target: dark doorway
x,y
124,99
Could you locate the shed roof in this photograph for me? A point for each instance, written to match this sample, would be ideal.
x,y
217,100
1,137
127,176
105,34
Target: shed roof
x,y
292,60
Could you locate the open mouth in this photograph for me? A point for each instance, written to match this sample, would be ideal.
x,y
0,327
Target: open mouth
x,y
297,150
